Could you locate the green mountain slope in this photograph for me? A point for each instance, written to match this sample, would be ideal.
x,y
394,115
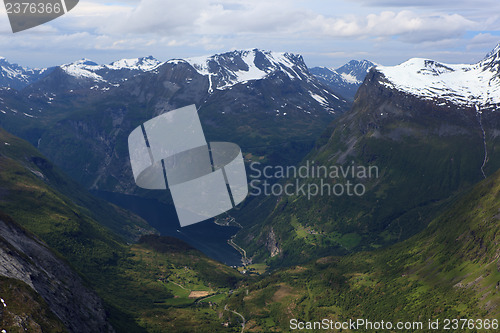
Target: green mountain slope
x,y
424,153
22,164
145,286
450,270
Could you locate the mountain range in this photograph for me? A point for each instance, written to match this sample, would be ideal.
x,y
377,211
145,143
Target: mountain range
x,y
223,71
268,103
18,77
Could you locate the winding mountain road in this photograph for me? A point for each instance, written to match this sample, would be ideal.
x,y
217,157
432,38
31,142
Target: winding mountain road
x,y
239,314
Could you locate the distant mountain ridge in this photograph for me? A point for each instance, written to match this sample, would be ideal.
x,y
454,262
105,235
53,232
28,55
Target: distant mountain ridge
x,y
346,79
114,72
18,77
74,75
223,70
477,84
230,68
226,70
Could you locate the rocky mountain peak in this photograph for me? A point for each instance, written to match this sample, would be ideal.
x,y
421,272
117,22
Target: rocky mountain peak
x,y
227,69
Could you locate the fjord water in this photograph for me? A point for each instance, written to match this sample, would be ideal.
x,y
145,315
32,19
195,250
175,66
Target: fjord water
x,y
208,237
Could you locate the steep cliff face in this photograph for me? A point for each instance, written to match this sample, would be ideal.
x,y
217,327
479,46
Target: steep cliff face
x,y
23,310
272,244
26,259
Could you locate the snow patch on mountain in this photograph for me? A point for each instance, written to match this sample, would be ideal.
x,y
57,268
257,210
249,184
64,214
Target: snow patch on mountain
x,y
251,73
318,98
462,84
349,78
83,68
139,64
198,63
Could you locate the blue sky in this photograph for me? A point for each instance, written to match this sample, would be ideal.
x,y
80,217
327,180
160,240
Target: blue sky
x,y
326,33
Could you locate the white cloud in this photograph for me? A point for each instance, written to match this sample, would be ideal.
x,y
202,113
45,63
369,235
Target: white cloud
x,y
483,40
407,25
328,29
185,20
252,17
157,16
455,4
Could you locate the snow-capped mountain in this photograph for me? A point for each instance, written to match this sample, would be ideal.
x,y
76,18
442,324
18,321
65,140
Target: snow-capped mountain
x,y
233,69
18,77
115,72
140,64
83,75
475,85
223,70
284,74
346,79
243,69
83,68
227,69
